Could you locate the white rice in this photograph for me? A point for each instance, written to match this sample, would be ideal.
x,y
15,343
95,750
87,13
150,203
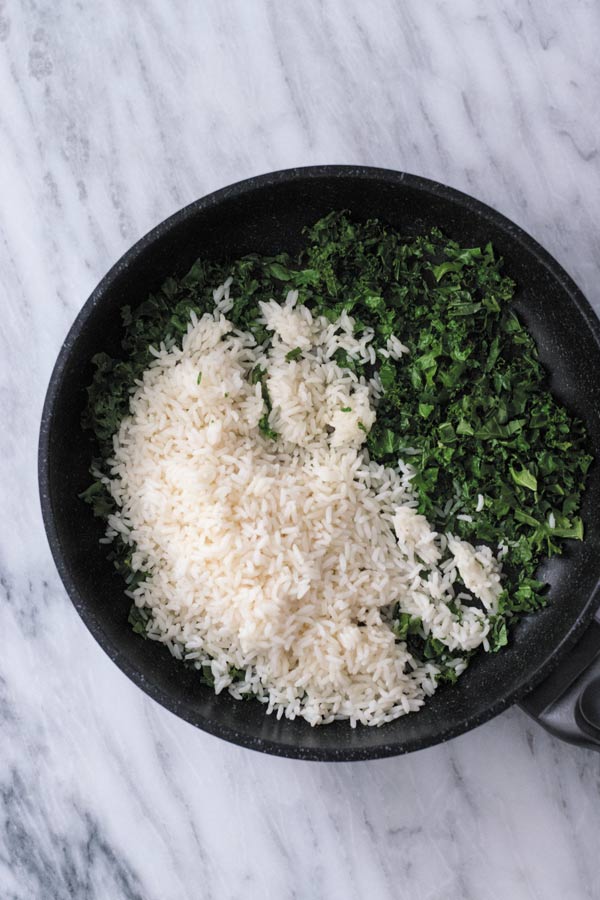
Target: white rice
x,y
285,559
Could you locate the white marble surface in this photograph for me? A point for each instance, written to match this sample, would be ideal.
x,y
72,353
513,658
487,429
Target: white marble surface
x,y
112,115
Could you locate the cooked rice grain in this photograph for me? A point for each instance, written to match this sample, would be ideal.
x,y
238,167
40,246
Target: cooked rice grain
x,y
285,559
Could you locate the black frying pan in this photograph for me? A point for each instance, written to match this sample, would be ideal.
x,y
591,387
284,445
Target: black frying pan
x,y
555,652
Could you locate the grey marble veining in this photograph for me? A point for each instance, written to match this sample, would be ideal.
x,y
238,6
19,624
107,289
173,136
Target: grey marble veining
x,y
112,116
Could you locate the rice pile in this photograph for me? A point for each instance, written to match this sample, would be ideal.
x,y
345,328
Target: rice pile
x,y
281,561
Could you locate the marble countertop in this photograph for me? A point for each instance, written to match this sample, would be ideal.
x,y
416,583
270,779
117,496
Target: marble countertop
x,y
112,116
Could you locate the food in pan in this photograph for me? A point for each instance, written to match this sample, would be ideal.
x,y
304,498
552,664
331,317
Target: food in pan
x,y
329,480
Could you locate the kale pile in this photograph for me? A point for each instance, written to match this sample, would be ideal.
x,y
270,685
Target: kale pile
x,y
468,407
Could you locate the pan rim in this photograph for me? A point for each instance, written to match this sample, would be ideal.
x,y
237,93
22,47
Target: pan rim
x,y
61,559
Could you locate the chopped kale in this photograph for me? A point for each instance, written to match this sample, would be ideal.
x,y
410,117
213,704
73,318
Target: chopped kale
x,y
266,429
139,618
470,399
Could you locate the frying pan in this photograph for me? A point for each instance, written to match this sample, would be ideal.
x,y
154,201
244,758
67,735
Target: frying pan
x,y
552,665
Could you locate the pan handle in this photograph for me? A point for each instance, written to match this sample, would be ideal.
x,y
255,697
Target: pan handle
x,y
567,703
